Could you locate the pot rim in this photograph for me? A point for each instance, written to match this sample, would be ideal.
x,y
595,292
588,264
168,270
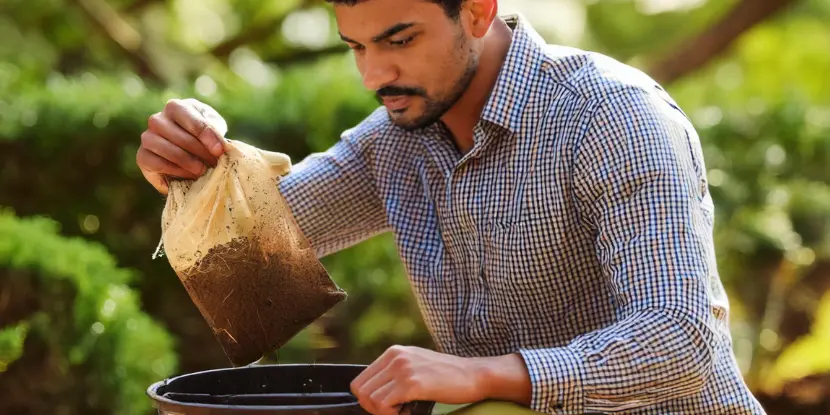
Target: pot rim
x,y
159,400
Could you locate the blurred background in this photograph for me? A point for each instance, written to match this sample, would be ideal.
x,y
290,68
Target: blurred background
x,y
88,320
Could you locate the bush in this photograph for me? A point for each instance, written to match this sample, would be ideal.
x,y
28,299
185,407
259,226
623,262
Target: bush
x,y
75,337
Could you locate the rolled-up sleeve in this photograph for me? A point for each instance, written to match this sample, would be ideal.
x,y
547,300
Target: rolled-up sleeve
x,y
639,182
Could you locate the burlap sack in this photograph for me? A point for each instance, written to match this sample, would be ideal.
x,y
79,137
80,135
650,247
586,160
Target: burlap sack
x,y
234,244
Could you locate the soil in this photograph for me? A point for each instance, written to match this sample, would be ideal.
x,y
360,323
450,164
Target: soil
x,y
255,301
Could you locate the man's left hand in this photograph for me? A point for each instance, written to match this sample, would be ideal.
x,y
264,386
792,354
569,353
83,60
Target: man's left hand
x,y
405,374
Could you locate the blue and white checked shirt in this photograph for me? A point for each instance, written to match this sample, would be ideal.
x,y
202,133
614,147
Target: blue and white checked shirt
x,y
577,231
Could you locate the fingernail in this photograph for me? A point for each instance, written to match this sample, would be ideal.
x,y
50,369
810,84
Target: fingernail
x,y
218,148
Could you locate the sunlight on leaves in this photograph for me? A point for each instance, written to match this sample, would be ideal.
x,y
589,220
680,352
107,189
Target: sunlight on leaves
x,y
307,28
806,356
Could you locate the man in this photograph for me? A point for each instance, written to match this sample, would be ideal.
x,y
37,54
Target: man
x,y
550,207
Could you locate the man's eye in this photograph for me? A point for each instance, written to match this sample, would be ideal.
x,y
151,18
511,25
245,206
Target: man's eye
x,y
356,48
402,42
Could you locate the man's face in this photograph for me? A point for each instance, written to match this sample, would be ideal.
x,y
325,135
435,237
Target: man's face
x,y
417,59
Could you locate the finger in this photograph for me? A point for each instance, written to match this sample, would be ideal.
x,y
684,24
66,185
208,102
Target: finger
x,y
172,153
387,399
379,364
213,118
156,179
153,165
195,123
174,133
364,391
378,381
366,375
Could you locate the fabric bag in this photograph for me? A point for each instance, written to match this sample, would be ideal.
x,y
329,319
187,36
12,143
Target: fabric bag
x,y
235,245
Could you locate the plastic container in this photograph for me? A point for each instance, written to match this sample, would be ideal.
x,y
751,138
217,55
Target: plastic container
x,y
320,389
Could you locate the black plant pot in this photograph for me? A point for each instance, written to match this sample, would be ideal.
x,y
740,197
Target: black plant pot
x,y
295,389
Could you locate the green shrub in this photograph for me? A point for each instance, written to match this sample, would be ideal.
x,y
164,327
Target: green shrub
x,y
79,338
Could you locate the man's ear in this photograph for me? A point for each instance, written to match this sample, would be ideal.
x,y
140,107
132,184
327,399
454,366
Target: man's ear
x,y
479,15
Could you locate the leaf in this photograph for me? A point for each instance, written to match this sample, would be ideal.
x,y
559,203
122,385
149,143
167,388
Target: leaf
x,y
807,355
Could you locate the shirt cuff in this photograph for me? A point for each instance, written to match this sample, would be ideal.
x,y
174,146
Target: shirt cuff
x,y
556,378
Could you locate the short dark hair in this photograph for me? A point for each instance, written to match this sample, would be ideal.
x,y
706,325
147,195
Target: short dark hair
x,y
451,7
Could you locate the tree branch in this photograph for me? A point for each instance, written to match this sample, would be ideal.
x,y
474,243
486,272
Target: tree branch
x,y
114,27
695,53
256,33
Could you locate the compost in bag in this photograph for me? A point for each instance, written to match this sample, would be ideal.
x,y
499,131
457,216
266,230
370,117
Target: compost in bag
x,y
237,249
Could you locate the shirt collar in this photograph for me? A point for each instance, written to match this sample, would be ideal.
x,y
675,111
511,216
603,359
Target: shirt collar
x,y
520,69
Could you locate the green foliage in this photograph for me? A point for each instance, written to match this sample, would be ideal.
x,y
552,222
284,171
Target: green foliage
x,y
782,61
624,30
100,334
11,343
776,192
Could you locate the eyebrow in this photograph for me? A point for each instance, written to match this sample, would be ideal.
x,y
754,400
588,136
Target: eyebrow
x,y
391,31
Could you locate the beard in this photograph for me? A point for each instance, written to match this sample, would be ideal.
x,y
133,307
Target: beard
x,y
434,107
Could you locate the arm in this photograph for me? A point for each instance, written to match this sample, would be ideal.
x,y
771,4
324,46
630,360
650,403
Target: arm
x,y
640,184
333,194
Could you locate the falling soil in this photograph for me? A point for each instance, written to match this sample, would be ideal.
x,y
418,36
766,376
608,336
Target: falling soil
x,y
256,301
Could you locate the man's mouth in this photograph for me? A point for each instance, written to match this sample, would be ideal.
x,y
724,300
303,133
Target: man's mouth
x,y
396,103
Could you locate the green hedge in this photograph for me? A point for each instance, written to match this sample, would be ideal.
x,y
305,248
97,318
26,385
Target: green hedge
x,y
74,307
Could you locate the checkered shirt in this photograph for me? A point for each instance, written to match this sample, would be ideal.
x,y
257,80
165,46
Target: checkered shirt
x,y
577,231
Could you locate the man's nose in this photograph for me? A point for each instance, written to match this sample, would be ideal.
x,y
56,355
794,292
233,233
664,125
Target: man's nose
x,y
378,73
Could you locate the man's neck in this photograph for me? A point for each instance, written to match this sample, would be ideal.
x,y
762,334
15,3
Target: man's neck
x,y
465,114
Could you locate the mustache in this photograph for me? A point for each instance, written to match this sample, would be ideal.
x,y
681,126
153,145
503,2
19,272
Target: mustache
x,y
392,91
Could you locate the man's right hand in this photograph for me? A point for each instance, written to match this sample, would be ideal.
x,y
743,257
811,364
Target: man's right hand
x,y
181,141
